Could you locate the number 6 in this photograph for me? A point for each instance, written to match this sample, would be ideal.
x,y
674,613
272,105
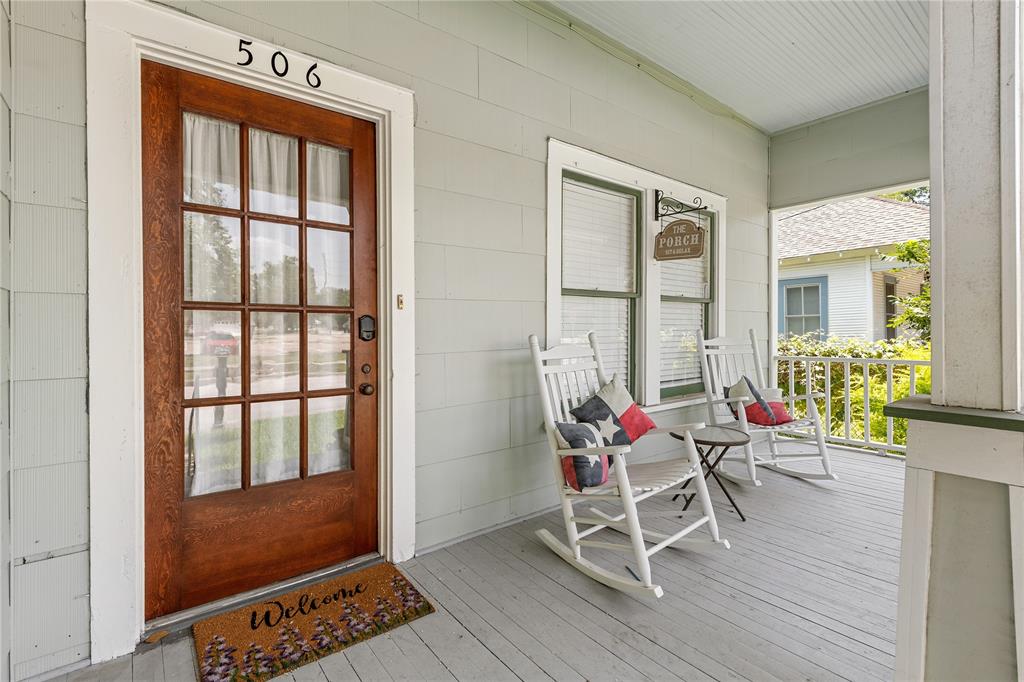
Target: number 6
x,y
310,76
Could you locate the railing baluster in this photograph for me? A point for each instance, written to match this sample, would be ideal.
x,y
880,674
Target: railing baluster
x,y
828,398
867,403
913,379
846,398
888,399
792,384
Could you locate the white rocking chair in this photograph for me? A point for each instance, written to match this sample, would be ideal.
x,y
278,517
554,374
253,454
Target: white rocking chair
x,y
724,362
568,376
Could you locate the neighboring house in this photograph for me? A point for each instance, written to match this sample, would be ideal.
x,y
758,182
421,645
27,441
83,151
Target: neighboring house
x,y
832,277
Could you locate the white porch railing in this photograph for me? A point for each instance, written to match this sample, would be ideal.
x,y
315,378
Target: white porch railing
x,y
847,409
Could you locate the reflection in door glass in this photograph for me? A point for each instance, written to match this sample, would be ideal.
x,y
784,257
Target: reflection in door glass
x,y
274,441
328,281
273,263
274,352
211,161
328,351
329,436
213,449
213,263
213,352
327,174
273,173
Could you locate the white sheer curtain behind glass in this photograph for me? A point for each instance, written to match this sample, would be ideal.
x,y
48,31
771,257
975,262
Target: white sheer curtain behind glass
x,y
211,163
327,184
273,173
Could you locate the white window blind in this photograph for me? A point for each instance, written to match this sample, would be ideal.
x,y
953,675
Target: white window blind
x,y
686,290
599,282
598,239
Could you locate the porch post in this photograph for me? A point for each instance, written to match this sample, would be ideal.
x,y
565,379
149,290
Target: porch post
x,y
964,490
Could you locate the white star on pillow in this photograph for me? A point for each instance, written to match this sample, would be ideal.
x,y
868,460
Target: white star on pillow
x,y
607,428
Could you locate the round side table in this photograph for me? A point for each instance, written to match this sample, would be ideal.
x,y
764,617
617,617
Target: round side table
x,y
706,440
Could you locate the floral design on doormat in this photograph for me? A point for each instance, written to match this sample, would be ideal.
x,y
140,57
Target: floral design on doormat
x,y
264,640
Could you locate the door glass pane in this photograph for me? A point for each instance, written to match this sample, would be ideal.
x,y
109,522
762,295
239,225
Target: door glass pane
x,y
328,351
793,301
811,298
212,353
273,173
211,160
329,434
273,263
328,280
213,264
274,352
213,449
274,443
327,184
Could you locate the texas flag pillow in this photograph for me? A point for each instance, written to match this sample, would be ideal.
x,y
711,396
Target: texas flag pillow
x,y
764,408
614,413
582,471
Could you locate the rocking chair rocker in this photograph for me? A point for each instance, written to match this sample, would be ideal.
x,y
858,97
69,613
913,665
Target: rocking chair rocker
x,y
723,363
568,376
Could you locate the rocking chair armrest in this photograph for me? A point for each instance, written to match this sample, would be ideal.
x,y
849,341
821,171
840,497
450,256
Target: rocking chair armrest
x,y
677,428
809,396
603,450
734,399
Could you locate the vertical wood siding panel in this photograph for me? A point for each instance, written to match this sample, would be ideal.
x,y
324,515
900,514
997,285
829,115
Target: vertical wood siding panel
x,y
49,336
50,79
51,508
49,162
52,612
51,246
50,424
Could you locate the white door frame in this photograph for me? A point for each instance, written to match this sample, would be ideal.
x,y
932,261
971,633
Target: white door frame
x,y
118,36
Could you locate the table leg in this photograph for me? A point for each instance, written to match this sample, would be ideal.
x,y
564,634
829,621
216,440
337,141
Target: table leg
x,y
706,459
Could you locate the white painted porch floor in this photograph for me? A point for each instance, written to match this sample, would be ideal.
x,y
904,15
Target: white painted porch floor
x,y
808,591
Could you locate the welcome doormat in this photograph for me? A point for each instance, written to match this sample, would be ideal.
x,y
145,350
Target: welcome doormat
x,y
270,638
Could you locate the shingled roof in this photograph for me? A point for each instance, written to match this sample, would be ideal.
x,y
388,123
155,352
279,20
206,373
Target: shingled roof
x,y
860,223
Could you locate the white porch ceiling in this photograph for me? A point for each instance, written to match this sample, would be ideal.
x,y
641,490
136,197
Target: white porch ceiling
x,y
779,64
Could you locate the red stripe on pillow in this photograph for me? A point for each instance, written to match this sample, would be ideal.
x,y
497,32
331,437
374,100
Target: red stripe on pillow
x,y
635,422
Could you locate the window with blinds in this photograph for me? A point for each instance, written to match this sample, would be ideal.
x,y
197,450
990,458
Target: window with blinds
x,y
686,293
600,281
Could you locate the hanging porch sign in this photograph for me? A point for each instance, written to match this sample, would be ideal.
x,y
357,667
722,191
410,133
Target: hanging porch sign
x,y
679,240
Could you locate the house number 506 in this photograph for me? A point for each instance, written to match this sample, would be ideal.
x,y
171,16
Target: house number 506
x,y
278,63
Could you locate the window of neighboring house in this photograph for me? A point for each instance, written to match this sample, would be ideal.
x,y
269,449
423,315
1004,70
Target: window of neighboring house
x,y
890,306
803,306
646,313
600,281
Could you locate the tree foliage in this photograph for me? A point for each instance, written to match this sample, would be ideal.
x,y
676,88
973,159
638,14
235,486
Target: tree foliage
x,y
916,313
917,195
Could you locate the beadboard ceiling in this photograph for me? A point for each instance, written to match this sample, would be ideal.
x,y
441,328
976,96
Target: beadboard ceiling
x,y
781,63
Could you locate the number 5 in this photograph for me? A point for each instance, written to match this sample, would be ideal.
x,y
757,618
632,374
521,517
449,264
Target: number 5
x,y
241,48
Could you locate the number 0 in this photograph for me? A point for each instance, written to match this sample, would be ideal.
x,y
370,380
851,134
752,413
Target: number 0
x,y
273,64
310,76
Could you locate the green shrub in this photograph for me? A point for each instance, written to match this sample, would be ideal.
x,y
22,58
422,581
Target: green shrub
x,y
811,346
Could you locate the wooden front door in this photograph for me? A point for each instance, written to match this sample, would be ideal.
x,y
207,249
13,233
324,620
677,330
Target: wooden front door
x,y
260,287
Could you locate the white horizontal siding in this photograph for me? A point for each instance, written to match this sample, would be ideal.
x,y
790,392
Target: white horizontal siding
x,y
849,295
53,625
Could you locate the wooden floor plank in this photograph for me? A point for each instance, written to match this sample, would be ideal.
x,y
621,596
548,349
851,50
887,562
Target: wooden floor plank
x,y
337,668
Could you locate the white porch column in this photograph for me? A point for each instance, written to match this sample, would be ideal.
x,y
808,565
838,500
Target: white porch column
x,y
962,561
